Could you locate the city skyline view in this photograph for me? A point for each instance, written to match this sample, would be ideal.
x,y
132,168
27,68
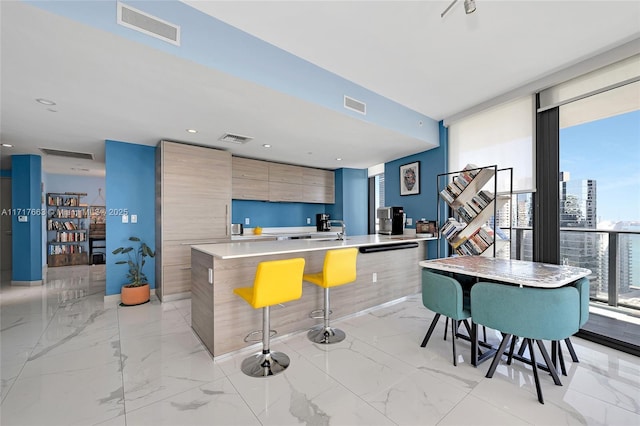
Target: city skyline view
x,y
607,151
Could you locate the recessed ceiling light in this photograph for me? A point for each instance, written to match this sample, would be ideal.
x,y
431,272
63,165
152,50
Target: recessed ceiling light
x,y
7,145
266,145
45,101
339,159
192,131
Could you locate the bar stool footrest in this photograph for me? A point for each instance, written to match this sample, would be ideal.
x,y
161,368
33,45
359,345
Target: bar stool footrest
x,y
318,313
248,337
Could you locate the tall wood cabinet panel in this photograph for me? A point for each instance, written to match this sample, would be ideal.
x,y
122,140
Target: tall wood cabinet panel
x,y
193,203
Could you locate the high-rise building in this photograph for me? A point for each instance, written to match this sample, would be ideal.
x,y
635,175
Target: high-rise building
x,y
578,210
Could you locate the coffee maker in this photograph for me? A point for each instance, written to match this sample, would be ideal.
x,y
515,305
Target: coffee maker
x,y
322,222
391,220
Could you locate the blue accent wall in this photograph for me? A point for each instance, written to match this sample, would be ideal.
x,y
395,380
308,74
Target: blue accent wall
x,y
26,198
5,173
353,189
130,183
268,214
425,204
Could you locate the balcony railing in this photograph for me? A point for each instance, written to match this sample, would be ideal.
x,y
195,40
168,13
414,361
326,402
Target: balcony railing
x,y
613,256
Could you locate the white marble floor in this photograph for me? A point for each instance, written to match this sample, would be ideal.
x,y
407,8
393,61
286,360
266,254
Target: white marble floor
x,y
69,358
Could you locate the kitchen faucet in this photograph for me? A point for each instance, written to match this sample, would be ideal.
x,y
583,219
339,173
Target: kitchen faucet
x,y
341,235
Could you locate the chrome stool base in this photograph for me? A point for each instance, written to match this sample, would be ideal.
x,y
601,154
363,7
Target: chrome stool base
x,y
326,335
265,365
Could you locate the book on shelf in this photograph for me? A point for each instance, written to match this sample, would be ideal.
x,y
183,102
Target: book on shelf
x,y
447,196
451,228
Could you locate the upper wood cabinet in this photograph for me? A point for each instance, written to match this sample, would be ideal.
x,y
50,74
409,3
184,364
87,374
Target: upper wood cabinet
x,y
318,177
250,179
246,168
285,173
267,181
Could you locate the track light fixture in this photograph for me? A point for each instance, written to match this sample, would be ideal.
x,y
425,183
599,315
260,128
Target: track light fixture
x,y
469,7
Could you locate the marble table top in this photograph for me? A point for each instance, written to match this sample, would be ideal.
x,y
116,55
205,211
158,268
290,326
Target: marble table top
x,y
523,273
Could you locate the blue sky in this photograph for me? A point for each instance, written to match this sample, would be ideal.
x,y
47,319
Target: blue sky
x,y
608,151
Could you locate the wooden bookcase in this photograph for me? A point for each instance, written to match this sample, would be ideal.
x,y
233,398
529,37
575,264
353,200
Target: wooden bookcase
x,y
66,229
473,200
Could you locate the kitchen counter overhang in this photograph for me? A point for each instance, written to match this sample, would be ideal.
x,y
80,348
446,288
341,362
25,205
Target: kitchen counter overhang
x,y
239,249
222,320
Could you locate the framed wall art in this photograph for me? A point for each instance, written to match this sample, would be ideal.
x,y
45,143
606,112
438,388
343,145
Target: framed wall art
x,y
410,179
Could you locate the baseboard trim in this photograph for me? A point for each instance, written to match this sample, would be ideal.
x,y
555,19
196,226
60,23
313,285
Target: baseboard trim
x,y
27,283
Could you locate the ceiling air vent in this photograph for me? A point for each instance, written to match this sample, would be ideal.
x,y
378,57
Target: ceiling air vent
x,y
148,24
355,105
239,139
68,154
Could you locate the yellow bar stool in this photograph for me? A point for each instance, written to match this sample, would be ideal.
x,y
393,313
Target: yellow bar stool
x,y
339,268
276,281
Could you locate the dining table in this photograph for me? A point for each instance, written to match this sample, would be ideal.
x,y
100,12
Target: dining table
x,y
521,273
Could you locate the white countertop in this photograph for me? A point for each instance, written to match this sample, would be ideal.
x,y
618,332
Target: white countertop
x,y
240,249
524,273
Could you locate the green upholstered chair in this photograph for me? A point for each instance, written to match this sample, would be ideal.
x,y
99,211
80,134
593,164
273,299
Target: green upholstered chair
x,y
582,285
443,295
531,313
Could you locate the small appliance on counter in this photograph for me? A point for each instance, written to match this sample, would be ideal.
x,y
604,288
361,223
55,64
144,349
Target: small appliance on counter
x,y
391,220
237,229
322,222
426,228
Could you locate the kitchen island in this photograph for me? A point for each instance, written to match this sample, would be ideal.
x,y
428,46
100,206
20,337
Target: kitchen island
x,y
387,270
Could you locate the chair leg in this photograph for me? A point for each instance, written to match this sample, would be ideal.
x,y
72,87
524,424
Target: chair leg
x,y
563,369
497,356
325,333
547,360
574,357
446,325
265,363
511,349
535,370
523,347
431,327
454,327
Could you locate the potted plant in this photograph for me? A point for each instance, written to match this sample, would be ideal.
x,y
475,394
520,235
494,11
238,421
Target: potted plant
x,y
136,291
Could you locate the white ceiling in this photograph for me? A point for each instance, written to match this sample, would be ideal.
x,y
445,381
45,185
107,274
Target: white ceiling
x,y
402,50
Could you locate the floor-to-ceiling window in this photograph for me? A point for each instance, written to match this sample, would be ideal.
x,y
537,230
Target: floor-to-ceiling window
x,y
600,192
597,125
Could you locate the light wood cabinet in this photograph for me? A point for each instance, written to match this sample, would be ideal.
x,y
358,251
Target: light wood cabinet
x,y
280,191
267,181
285,173
250,179
193,205
318,177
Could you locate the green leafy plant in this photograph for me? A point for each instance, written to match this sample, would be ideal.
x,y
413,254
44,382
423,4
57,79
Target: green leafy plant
x,y
135,260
